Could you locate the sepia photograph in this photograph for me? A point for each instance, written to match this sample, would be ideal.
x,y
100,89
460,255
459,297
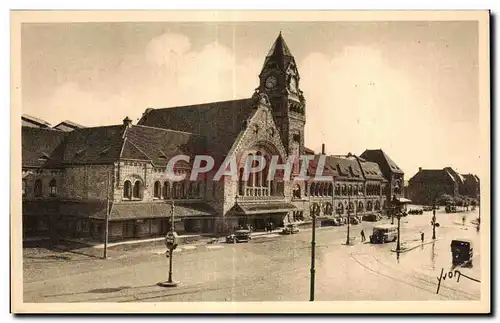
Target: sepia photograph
x,y
250,162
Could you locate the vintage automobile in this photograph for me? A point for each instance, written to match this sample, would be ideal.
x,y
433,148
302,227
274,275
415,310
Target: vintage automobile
x,y
372,217
427,208
450,209
384,233
416,211
461,252
290,229
239,236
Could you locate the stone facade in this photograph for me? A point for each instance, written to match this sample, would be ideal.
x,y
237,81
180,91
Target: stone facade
x,y
126,166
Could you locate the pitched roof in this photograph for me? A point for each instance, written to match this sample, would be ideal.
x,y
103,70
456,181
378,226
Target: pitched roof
x,y
457,176
338,167
160,145
433,176
67,125
371,170
279,53
38,145
95,145
30,121
143,210
219,122
380,157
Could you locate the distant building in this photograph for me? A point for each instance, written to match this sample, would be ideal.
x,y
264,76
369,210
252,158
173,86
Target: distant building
x,y
428,185
390,170
33,122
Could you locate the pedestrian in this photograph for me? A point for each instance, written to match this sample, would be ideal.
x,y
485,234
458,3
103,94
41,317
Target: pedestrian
x,y
463,220
363,235
422,237
271,227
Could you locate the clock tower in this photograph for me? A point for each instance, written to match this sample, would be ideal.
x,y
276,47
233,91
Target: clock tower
x,y
279,79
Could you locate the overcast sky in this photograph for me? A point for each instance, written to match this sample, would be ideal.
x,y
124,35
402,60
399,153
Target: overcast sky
x,y
410,88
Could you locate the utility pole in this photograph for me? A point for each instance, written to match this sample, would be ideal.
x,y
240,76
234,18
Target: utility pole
x,y
106,224
313,254
348,239
398,246
434,222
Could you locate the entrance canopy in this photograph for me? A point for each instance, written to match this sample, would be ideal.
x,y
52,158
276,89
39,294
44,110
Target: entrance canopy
x,y
262,208
403,200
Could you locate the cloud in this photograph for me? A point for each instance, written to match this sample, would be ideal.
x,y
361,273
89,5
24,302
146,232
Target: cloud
x,y
169,72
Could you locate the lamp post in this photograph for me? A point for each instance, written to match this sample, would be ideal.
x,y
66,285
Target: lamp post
x,y
106,220
434,222
397,213
313,252
170,242
348,239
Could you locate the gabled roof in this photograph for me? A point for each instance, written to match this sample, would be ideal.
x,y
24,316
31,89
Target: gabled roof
x,y
433,176
219,122
160,145
67,125
471,177
95,145
30,121
371,170
338,167
38,145
458,177
380,157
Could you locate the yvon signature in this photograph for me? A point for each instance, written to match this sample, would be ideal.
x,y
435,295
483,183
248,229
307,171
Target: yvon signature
x,y
452,274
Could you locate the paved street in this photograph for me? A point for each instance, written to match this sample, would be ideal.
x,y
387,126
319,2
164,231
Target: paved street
x,y
271,268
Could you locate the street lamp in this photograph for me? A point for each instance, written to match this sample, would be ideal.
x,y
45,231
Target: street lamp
x,y
171,244
434,222
314,210
397,213
348,239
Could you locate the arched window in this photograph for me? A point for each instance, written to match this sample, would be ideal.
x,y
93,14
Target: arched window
x,y
24,187
312,189
361,191
351,206
137,190
328,209
340,208
175,190
127,190
157,190
377,205
166,190
182,190
317,189
344,189
337,190
355,190
360,207
53,188
38,188
330,189
296,191
250,162
369,206
324,189
349,190
241,183
198,190
258,176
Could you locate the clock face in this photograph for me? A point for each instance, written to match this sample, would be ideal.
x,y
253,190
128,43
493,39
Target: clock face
x,y
271,82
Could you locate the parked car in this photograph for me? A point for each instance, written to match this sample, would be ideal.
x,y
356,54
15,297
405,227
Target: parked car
x,y
416,211
355,220
384,233
372,217
461,252
290,229
239,236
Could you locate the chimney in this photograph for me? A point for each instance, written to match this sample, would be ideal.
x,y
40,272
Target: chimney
x,y
127,122
322,149
420,169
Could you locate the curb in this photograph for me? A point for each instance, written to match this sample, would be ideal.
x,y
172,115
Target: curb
x,y
416,246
